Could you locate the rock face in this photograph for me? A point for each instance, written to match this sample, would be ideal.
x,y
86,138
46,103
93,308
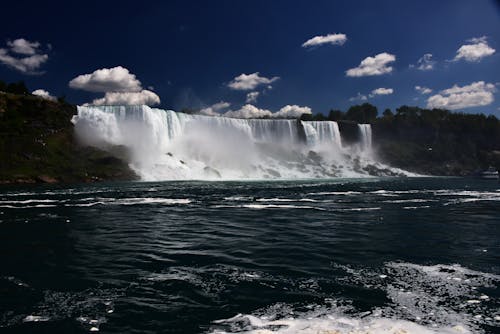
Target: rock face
x,y
37,145
349,131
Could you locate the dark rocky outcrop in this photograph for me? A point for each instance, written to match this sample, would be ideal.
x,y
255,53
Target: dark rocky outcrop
x,y
37,145
349,132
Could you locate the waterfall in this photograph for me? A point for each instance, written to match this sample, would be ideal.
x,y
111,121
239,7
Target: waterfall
x,y
322,132
167,145
365,131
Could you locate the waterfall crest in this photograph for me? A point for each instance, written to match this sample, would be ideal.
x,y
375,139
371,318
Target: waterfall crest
x,y
167,145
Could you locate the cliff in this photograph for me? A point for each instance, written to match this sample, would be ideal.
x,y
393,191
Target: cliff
x,y
37,145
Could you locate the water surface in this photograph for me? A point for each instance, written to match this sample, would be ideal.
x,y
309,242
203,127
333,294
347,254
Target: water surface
x,y
365,255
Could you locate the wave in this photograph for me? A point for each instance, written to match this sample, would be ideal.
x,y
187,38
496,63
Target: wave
x,y
424,299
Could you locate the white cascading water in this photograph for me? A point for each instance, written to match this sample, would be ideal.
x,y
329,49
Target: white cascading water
x,y
321,133
166,145
365,131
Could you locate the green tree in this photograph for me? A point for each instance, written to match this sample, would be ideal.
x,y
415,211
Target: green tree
x,y
365,113
319,117
388,114
335,115
17,88
306,117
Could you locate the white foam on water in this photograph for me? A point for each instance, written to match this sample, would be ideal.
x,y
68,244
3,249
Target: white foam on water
x,y
269,206
29,201
416,207
411,200
132,201
423,300
335,193
28,206
35,318
331,322
358,209
285,200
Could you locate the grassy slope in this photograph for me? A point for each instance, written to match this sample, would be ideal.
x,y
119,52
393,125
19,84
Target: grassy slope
x,y
37,145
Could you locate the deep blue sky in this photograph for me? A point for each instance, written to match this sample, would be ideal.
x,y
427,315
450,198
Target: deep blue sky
x,y
190,50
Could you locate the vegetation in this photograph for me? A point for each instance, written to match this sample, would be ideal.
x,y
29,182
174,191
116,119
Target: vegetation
x,y
429,141
37,143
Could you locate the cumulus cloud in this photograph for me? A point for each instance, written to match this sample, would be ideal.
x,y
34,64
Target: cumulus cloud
x,y
377,65
335,39
214,109
23,46
251,111
423,90
292,111
475,51
248,111
146,97
358,97
250,81
43,94
23,55
382,91
425,63
373,93
116,79
252,97
474,95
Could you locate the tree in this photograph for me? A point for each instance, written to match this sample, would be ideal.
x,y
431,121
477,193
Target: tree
x,y
62,99
388,113
306,117
335,115
319,117
3,86
365,113
17,88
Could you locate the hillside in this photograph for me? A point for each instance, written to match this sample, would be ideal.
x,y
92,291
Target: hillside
x,y
37,145
426,141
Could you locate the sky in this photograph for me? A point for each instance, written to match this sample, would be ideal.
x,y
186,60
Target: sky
x,y
258,57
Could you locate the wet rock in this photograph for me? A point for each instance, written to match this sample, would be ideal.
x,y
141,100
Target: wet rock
x,y
209,171
46,179
273,172
315,157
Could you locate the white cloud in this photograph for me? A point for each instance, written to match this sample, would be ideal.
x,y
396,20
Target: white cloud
x,y
359,97
43,94
116,79
375,92
250,81
23,46
31,58
425,63
251,111
291,111
252,97
128,98
423,90
214,109
335,39
474,95
476,51
373,66
382,91
248,111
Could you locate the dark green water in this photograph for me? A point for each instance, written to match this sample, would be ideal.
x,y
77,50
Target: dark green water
x,y
352,256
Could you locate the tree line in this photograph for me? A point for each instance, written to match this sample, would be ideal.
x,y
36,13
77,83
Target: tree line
x,y
14,88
